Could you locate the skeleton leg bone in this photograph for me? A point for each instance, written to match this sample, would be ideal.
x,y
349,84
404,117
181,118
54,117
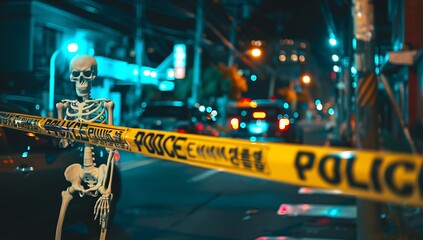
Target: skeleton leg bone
x,y
66,198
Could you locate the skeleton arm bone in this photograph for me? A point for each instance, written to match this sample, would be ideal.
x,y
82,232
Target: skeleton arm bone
x,y
102,206
64,104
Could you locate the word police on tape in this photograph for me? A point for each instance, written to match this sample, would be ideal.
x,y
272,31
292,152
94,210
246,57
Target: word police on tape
x,y
381,176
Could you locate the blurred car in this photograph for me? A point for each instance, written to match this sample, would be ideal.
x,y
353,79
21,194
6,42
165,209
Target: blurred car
x,y
174,116
202,121
31,181
263,120
162,115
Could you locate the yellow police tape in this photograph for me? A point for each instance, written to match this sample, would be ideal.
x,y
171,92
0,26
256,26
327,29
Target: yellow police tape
x,y
381,176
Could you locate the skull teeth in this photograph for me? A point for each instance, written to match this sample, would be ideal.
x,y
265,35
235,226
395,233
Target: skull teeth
x,y
83,90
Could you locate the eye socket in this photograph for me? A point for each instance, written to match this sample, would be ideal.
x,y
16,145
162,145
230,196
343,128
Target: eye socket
x,y
87,73
76,73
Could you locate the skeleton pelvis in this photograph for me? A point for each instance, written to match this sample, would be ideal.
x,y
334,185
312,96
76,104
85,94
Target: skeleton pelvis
x,y
92,178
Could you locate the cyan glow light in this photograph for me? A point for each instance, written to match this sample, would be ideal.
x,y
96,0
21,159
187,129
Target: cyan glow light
x,y
153,74
335,58
146,72
336,68
170,74
333,212
331,111
258,127
253,78
167,86
91,51
332,41
317,101
179,60
135,72
353,70
73,47
286,105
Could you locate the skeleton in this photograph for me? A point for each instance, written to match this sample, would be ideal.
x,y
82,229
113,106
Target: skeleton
x,y
87,179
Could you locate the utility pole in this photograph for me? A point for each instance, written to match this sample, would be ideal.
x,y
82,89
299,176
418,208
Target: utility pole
x,y
274,53
139,50
232,37
368,212
197,52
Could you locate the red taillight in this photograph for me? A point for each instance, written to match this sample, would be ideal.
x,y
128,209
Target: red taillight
x,y
245,100
283,124
181,130
283,209
116,156
259,115
234,123
199,127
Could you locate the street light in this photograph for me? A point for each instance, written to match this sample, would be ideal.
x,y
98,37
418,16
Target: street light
x,y
256,52
306,79
72,47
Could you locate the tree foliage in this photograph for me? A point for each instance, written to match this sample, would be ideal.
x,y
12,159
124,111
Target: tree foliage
x,y
293,97
238,83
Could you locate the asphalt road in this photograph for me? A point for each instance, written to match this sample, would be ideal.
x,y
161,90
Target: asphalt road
x,y
168,200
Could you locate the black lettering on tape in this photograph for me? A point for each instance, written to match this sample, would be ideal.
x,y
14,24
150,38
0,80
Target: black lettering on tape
x,y
234,156
48,126
177,147
221,153
148,143
375,174
300,166
200,151
138,140
350,174
83,130
407,188
336,178
158,145
210,152
245,158
172,152
190,149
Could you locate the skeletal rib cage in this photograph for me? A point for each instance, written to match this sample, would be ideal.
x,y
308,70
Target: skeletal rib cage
x,y
86,111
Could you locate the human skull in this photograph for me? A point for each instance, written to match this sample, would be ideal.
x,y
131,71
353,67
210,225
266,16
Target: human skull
x,y
83,69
